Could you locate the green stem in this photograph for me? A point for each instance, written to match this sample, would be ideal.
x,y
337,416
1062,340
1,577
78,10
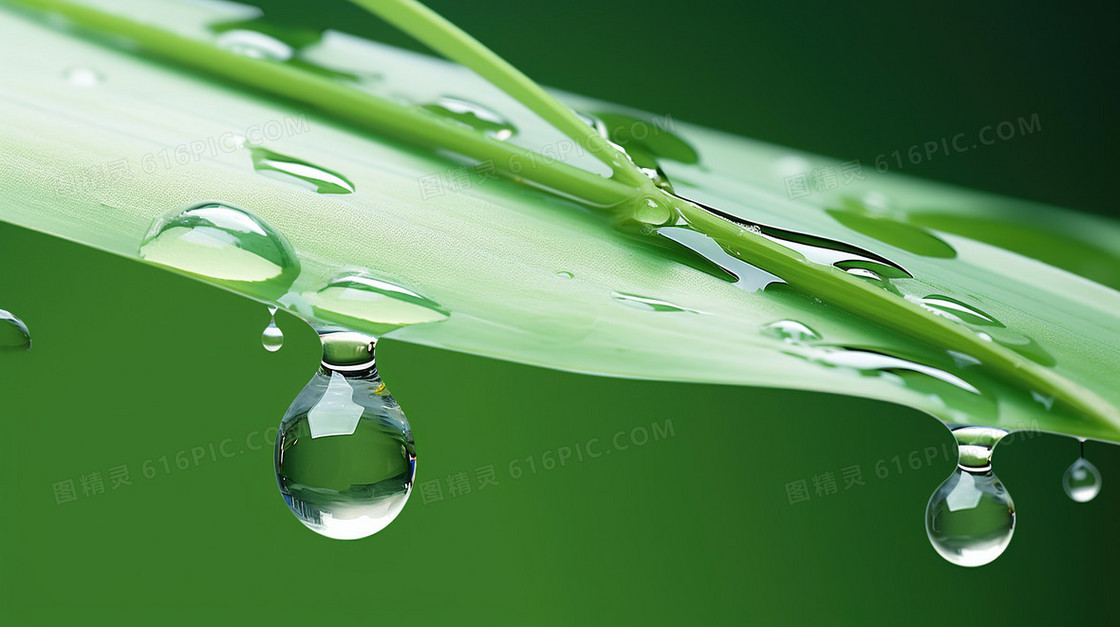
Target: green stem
x,y
437,33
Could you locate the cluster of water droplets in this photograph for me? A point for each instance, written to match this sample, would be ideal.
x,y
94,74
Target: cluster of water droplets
x,y
970,518
345,458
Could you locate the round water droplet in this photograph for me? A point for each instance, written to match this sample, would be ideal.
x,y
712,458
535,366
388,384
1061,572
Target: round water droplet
x,y
250,43
290,169
970,518
359,299
345,458
474,116
1082,481
790,331
83,76
564,274
272,338
14,335
225,243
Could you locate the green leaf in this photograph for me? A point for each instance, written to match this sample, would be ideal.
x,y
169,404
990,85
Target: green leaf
x,y
520,274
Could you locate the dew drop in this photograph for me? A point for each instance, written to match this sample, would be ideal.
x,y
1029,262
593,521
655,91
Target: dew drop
x,y
272,338
254,44
865,273
14,335
474,116
83,76
1082,480
356,296
564,274
290,169
649,304
970,518
954,310
790,331
225,243
345,459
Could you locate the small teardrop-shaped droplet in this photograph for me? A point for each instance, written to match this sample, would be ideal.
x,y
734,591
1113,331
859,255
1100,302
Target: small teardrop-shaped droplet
x,y
790,331
564,274
1082,480
474,116
345,458
225,243
649,304
83,76
970,518
254,44
14,335
272,338
290,169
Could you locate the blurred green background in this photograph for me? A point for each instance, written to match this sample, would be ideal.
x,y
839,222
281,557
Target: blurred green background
x,y
133,368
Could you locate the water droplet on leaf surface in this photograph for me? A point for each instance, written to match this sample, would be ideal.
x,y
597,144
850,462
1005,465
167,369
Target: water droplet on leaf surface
x,y
254,44
225,243
83,76
474,116
290,169
368,301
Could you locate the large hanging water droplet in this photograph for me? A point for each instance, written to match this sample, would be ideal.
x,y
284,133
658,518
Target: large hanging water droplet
x,y
254,44
345,458
970,518
474,116
292,170
1082,480
225,243
272,338
14,335
368,302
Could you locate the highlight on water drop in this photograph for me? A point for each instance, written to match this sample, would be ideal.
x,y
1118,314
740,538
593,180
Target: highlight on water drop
x,y
1082,480
272,338
14,335
345,459
970,518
